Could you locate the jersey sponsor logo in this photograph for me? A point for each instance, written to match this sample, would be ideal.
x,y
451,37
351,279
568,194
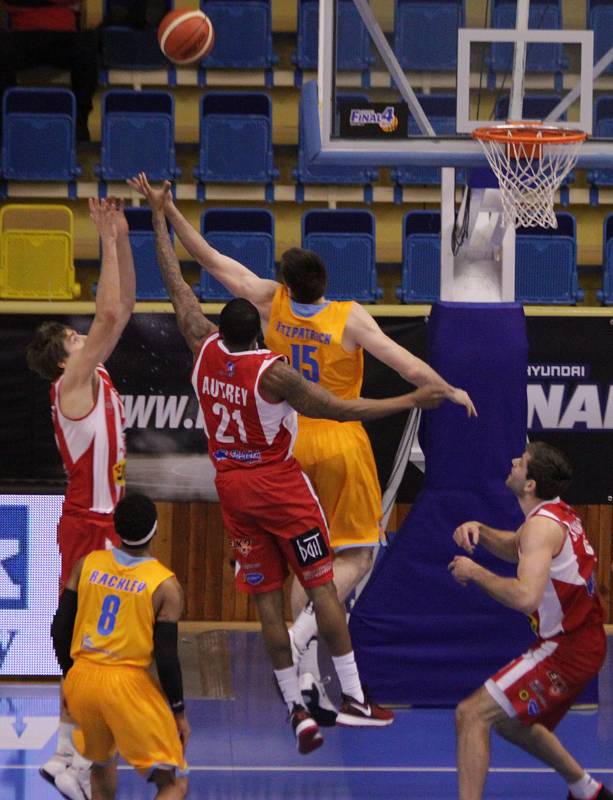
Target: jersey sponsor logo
x,y
524,695
558,686
310,547
14,557
533,707
243,544
230,369
254,578
119,472
244,456
317,572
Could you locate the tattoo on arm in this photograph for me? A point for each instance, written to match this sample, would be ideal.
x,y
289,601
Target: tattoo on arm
x,y
191,321
281,382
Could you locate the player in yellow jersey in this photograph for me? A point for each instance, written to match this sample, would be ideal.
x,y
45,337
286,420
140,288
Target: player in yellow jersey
x,y
325,341
118,612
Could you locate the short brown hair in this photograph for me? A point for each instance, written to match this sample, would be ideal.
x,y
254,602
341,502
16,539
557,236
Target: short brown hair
x,y
47,349
304,274
549,468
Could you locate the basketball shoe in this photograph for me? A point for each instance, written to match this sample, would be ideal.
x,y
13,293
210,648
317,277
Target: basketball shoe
x,y
316,699
306,730
603,794
362,715
58,762
74,782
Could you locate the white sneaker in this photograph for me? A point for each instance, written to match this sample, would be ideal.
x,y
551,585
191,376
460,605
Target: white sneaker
x,y
316,699
74,782
54,766
296,652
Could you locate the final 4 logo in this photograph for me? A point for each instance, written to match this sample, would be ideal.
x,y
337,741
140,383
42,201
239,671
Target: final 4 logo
x,y
386,119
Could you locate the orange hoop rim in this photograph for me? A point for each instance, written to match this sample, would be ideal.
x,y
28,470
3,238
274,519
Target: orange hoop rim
x,y
528,133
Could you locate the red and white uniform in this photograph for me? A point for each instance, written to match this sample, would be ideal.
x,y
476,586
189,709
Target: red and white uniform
x,y
93,450
270,511
542,684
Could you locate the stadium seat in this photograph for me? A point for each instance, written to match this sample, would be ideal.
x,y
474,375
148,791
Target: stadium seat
x,y
426,33
546,264
543,15
235,139
36,253
605,295
245,234
137,135
603,127
129,36
38,135
243,34
421,257
345,240
600,20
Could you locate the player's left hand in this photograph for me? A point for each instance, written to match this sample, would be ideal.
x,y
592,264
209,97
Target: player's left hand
x,y
462,569
184,729
123,228
462,398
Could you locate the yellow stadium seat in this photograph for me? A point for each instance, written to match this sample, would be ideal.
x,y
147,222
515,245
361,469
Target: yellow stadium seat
x,y
36,253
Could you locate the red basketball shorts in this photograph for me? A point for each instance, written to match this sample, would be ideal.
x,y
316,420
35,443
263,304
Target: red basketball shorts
x,y
542,684
273,518
80,532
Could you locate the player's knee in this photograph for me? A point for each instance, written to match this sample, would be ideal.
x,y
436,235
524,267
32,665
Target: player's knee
x,y
467,713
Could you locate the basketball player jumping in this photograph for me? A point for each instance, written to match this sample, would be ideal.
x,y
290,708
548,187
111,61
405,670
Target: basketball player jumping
x,y
88,419
325,341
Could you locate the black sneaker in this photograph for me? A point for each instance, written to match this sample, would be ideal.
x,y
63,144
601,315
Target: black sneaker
x,y
316,699
306,730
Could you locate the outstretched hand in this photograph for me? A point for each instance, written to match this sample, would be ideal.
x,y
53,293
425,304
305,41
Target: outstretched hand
x,y
123,229
105,217
462,398
158,199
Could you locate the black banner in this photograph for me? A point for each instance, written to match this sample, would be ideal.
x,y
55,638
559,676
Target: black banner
x,y
570,404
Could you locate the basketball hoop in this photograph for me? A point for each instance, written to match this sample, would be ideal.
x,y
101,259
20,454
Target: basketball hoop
x,y
530,161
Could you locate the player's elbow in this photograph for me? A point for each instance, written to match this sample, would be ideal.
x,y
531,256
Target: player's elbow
x,y
528,602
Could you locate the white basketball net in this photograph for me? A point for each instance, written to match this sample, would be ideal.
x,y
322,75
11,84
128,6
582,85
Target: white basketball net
x,y
529,175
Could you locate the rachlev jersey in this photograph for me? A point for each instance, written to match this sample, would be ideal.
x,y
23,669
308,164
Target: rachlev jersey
x,y
570,600
93,448
242,428
115,617
313,344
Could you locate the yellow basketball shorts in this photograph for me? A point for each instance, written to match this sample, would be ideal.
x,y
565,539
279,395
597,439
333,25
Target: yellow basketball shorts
x,y
338,459
122,709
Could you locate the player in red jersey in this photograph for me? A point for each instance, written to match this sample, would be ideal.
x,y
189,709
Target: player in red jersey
x,y
88,418
249,398
555,586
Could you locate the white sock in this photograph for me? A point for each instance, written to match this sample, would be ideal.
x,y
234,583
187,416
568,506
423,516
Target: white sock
x,y
64,738
304,628
348,676
309,661
585,789
288,684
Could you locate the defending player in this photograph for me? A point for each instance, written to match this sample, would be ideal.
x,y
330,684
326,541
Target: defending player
x,y
88,419
120,610
555,586
325,341
271,514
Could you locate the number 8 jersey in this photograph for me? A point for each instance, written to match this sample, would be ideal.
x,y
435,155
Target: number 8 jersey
x,y
243,429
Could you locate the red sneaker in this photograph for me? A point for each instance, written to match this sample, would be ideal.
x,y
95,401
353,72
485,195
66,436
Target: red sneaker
x,y
362,715
306,730
603,794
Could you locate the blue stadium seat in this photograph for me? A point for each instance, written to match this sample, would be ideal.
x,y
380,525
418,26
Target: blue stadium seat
x,y
605,295
243,34
353,40
38,136
235,139
245,234
440,110
600,20
603,127
137,135
343,174
546,264
421,257
426,33
345,240
149,283
543,15
125,42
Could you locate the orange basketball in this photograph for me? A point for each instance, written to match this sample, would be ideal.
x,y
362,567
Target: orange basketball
x,y
186,36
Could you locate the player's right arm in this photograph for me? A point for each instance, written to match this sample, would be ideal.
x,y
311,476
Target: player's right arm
x,y
62,627
502,544
281,382
168,607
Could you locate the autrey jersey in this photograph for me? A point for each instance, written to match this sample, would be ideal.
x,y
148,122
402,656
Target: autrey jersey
x,y
242,428
115,616
93,448
570,600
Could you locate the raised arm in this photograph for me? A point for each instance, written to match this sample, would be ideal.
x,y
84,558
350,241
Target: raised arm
x,y
363,331
238,279
281,382
127,277
501,543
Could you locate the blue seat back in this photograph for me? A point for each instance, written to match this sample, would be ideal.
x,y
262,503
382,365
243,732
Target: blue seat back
x,y
603,127
243,34
345,241
546,263
137,135
235,138
244,234
600,20
149,283
426,33
129,36
421,257
38,135
543,15
534,106
352,40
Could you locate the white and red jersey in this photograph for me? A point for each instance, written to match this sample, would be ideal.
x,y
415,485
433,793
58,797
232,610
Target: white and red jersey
x,y
570,601
243,429
93,448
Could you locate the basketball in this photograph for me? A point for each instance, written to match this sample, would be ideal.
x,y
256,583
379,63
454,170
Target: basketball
x,y
186,36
